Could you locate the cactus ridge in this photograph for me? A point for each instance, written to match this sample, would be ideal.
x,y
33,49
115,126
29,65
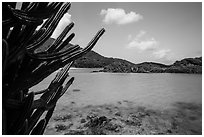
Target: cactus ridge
x,y
50,29
37,34
54,56
61,37
64,43
39,128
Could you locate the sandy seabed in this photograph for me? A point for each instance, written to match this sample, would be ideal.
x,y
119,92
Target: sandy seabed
x,y
124,118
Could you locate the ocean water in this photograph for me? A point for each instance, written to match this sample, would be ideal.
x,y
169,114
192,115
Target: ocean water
x,y
151,90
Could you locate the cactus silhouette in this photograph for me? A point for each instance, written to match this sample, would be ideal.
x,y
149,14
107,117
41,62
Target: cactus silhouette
x,y
25,63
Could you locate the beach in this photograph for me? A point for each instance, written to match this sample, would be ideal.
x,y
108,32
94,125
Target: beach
x,y
124,118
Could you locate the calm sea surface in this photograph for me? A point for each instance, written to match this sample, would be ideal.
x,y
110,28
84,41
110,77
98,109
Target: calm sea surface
x,y
151,90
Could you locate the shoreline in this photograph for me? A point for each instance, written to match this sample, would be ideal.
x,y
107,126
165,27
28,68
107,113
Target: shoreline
x,y
120,119
101,70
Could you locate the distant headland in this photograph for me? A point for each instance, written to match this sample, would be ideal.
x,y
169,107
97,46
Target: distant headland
x,y
95,60
116,65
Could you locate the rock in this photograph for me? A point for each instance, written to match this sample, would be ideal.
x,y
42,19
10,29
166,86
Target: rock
x,y
83,120
117,113
141,114
75,132
76,90
112,127
119,102
133,121
96,120
63,117
60,127
169,131
73,102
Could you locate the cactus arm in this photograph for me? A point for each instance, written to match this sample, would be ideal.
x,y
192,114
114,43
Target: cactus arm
x,y
55,56
52,96
39,103
45,10
48,95
37,114
24,128
63,73
47,23
53,100
61,37
40,92
60,78
23,17
50,20
37,73
65,43
38,130
8,23
41,6
37,34
14,37
31,6
34,119
94,40
18,52
67,86
86,49
26,109
48,116
5,52
51,27
55,7
25,5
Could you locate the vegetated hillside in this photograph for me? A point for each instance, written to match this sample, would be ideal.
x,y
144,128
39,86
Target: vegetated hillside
x,y
188,65
95,60
92,60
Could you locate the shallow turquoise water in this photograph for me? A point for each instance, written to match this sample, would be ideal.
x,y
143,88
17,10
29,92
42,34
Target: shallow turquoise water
x,y
151,90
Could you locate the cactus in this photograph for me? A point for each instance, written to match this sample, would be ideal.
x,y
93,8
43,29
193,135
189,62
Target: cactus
x,y
25,63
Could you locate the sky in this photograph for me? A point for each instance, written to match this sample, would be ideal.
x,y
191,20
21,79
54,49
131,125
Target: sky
x,y
138,32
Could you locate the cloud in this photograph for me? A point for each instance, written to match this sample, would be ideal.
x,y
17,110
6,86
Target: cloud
x,y
119,16
66,20
162,53
140,34
142,45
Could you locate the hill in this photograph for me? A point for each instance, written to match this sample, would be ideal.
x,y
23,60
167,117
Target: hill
x,y
95,60
188,65
92,60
